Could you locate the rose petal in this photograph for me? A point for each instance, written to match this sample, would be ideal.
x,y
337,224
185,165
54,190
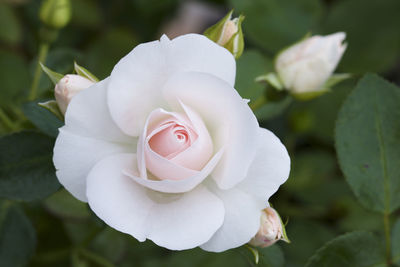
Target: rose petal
x,y
163,168
88,115
228,118
269,170
137,79
174,221
200,152
89,135
178,186
241,221
243,204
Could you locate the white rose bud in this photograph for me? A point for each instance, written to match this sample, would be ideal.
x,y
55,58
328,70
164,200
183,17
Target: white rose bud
x,y
68,87
271,229
229,30
228,33
306,66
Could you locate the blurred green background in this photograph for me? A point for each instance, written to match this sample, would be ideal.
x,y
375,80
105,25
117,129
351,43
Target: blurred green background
x,y
316,201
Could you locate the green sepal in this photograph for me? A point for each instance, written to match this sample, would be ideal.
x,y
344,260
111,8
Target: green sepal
x,y
214,33
335,79
310,95
326,88
254,252
53,76
272,79
52,106
81,71
284,234
235,45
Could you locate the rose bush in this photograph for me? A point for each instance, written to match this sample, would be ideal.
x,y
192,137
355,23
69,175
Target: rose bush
x,y
165,148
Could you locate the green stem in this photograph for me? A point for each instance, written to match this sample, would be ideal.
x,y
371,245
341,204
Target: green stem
x,y
258,103
43,49
6,120
386,224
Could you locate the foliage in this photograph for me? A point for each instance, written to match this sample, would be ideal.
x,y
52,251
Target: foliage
x,y
343,195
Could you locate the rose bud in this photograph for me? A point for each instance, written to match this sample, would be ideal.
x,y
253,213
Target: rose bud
x,y
271,229
68,87
228,33
306,66
55,13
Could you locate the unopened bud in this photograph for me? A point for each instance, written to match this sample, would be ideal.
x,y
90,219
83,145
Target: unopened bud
x,y
68,87
271,229
228,33
55,13
305,67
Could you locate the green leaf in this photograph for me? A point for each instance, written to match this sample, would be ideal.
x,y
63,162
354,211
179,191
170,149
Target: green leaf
x,y
271,257
10,28
14,77
46,121
306,235
274,24
368,143
26,169
17,236
356,249
85,73
396,242
52,106
273,109
111,244
64,205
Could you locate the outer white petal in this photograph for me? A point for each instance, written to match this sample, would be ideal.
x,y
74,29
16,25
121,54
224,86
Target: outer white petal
x,y
89,135
269,170
243,204
195,52
88,115
230,121
137,79
241,222
174,221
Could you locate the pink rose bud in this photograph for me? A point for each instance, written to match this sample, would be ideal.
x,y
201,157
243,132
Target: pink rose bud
x,y
68,87
228,33
271,229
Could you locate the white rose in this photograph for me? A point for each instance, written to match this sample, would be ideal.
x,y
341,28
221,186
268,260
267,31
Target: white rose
x,y
165,148
307,65
68,87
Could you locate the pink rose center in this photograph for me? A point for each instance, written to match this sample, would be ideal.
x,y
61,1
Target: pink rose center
x,y
170,139
174,146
